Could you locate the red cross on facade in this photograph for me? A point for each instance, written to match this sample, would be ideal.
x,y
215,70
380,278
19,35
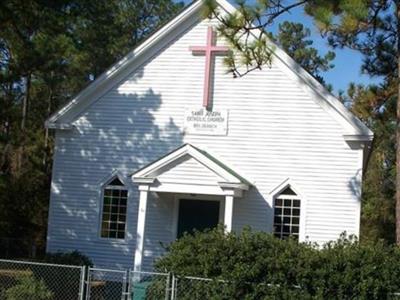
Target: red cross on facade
x,y
209,50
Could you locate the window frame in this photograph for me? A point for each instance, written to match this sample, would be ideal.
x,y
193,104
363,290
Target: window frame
x,y
284,197
276,192
103,186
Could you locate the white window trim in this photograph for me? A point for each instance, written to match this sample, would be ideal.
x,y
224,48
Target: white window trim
x,y
103,184
303,205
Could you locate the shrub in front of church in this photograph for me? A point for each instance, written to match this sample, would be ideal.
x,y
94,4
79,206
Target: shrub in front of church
x,y
63,282
256,265
28,287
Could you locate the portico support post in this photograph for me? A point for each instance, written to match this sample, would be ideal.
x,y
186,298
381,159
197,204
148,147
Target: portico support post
x,y
141,221
228,215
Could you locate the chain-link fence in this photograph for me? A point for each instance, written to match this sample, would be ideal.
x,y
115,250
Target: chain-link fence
x,y
42,281
106,284
150,286
39,281
22,280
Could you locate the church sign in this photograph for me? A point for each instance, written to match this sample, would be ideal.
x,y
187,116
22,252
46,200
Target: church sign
x,y
205,122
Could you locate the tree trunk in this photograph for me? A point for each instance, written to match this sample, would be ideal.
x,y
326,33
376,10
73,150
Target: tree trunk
x,y
46,132
398,129
5,154
25,104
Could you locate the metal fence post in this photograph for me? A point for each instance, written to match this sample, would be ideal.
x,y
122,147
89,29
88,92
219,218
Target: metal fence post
x,y
130,286
126,286
82,283
167,287
173,287
88,284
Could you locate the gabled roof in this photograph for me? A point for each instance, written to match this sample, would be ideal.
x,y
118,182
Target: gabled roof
x,y
148,173
63,118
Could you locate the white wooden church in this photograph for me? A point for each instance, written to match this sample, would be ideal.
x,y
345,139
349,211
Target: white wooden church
x,y
166,141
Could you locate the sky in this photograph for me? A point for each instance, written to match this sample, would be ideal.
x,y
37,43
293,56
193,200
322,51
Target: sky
x,y
347,62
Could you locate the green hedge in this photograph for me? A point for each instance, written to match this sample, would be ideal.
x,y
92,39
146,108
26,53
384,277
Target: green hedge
x,y
28,287
255,265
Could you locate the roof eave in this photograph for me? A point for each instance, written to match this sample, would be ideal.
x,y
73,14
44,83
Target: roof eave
x,y
358,137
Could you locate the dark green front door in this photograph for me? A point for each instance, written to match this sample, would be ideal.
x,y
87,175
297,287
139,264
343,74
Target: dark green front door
x,y
197,214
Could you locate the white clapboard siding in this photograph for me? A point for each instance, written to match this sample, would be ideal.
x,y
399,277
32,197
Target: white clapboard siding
x,y
276,131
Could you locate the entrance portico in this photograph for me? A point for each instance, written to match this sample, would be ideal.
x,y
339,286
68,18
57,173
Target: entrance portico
x,y
187,170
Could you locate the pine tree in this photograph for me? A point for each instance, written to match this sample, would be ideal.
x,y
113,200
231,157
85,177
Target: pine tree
x,y
293,38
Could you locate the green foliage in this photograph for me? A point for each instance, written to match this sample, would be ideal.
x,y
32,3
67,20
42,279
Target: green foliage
x,y
246,32
370,27
376,105
294,39
256,265
63,282
251,49
28,287
344,13
74,258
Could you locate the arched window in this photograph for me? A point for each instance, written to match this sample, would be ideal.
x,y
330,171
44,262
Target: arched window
x,y
113,219
287,214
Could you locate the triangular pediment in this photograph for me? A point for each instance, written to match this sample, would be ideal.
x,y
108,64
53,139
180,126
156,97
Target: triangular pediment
x,y
188,165
187,170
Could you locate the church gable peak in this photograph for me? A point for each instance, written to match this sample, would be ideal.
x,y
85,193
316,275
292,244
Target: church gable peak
x,y
64,118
